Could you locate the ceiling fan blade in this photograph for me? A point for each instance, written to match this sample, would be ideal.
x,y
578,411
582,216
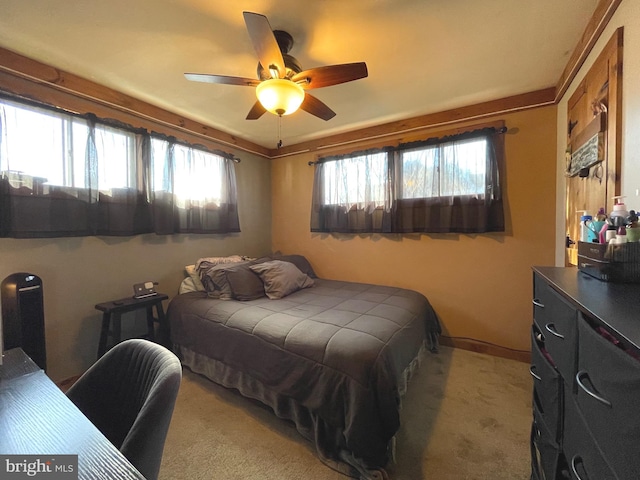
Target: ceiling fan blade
x,y
222,79
330,75
256,111
265,43
315,107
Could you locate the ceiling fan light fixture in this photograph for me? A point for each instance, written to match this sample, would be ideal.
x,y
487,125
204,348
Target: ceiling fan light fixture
x,y
280,96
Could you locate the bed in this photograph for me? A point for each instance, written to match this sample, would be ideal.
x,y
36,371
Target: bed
x,y
333,357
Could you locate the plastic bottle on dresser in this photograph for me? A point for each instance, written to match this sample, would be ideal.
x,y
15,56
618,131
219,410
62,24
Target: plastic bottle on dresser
x,y
598,227
633,231
585,221
619,214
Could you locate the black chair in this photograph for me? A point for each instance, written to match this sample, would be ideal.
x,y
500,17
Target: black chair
x,y
129,395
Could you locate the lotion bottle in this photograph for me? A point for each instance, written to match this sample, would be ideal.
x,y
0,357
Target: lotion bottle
x,y
619,213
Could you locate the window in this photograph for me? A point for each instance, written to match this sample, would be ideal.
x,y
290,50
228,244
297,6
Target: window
x,y
43,144
197,176
116,158
449,169
356,182
68,175
52,146
440,185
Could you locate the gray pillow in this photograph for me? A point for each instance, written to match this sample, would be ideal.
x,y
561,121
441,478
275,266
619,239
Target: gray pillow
x,y
215,281
281,278
299,261
203,268
245,284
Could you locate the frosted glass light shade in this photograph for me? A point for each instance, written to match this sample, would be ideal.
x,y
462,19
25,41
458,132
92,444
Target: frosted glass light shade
x,y
280,96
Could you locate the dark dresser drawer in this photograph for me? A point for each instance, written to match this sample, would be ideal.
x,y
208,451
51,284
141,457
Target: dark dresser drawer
x,y
556,318
608,396
545,451
547,385
581,449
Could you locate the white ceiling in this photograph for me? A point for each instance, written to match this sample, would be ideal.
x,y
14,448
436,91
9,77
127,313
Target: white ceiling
x,y
423,56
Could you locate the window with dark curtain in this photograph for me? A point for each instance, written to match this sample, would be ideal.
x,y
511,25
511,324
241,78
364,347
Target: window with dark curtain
x,y
352,193
66,175
440,185
191,190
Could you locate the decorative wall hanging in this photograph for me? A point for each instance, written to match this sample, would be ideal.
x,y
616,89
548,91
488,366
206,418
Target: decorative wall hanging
x,y
590,146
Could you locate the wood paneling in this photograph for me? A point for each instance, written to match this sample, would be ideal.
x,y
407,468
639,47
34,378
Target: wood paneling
x,y
600,90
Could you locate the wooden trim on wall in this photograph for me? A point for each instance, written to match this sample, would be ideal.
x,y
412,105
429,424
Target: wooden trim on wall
x,y
413,136
486,348
27,78
599,20
514,103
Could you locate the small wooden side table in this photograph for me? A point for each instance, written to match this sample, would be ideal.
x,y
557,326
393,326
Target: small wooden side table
x,y
114,309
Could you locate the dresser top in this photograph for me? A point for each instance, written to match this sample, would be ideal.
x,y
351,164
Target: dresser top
x,y
616,305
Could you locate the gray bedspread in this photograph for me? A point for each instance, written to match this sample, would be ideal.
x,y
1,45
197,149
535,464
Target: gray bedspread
x,y
331,358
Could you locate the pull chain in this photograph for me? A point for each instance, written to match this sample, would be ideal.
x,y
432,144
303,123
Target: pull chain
x,y
279,131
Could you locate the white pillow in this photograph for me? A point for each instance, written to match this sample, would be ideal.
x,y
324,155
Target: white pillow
x,y
187,286
195,278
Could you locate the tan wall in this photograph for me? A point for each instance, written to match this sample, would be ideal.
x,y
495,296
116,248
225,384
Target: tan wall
x,y
480,285
79,272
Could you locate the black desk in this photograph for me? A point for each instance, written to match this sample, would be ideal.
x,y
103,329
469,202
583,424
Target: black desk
x,y
113,310
36,418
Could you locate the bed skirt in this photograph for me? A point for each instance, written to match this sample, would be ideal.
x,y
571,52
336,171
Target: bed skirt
x,y
309,425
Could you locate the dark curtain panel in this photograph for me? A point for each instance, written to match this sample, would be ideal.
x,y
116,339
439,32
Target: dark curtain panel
x,y
453,211
66,212
103,180
449,215
122,211
58,213
440,185
353,193
333,218
191,190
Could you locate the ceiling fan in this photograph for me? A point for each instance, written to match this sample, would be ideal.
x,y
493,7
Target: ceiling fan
x,y
282,85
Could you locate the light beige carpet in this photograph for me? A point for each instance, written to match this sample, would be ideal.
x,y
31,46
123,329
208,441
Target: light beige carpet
x,y
465,416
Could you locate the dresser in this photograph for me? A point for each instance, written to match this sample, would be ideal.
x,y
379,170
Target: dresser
x,y
585,364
